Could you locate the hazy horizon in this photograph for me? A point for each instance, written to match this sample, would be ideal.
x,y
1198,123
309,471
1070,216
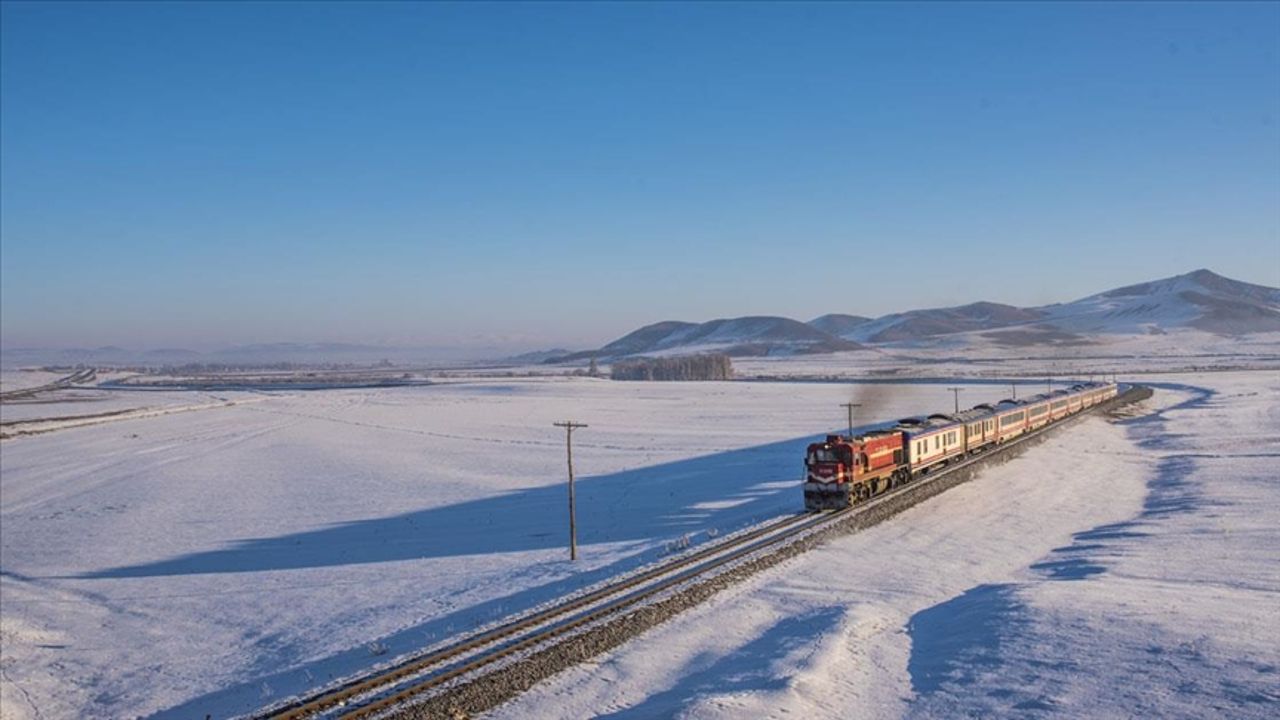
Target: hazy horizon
x,y
526,176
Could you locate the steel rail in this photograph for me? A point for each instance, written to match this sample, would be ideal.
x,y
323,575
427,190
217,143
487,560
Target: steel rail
x,y
378,705
330,698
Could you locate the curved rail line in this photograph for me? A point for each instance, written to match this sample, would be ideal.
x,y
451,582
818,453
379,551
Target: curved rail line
x,y
398,684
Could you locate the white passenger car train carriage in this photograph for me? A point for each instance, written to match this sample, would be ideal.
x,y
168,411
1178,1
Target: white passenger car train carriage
x,y
931,441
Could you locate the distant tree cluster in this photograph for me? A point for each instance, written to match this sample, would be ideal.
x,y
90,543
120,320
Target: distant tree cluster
x,y
686,367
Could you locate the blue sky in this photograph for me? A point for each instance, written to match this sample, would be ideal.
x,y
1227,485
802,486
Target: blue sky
x,y
178,174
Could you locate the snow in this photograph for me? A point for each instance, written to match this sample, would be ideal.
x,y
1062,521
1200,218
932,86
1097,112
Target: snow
x,y
217,561
22,379
969,355
1124,570
90,402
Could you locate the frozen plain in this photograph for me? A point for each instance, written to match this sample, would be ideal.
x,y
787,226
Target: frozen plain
x,y
216,561
1140,581
222,560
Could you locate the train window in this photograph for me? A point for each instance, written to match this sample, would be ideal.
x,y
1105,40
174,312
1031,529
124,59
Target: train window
x,y
937,441
1008,420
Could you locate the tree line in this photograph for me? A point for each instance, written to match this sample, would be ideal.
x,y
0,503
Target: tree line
x,y
686,367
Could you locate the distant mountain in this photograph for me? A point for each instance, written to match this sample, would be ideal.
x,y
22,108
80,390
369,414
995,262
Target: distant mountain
x,y
839,325
536,356
917,324
246,355
172,355
740,337
301,353
15,357
1201,299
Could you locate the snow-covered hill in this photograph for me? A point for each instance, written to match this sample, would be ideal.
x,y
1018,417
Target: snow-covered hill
x,y
1201,303
940,321
838,324
745,336
1201,299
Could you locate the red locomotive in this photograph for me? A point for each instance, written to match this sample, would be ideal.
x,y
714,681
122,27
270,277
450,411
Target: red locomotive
x,y
843,470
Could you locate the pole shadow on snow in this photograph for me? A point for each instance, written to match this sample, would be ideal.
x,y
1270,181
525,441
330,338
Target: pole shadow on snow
x,y
961,644
958,640
656,502
746,669
722,491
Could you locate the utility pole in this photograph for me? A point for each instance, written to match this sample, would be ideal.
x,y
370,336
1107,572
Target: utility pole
x,y
1015,390
956,391
850,406
569,426
1048,384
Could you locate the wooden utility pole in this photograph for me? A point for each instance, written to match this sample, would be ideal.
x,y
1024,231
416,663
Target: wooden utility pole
x,y
569,426
850,406
956,392
1015,390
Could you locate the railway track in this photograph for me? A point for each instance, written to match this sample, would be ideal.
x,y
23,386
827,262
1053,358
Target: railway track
x,y
434,671
498,643
80,376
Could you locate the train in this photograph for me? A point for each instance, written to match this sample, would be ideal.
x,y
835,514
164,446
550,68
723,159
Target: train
x,y
843,471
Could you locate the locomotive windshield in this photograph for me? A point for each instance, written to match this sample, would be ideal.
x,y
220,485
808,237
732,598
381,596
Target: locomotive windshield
x,y
824,455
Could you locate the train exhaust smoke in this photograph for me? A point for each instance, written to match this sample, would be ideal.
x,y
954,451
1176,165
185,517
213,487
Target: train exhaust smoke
x,y
872,401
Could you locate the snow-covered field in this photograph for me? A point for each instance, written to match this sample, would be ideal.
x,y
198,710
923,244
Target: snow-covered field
x,y
216,561
84,403
1179,350
22,379
1126,570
